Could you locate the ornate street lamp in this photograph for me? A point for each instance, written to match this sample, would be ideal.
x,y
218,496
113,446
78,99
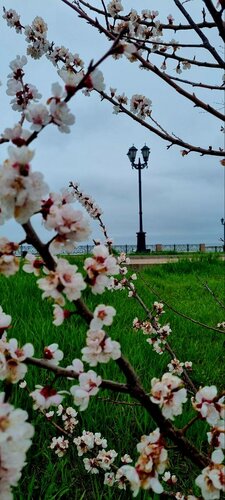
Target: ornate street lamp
x,y
223,224
141,245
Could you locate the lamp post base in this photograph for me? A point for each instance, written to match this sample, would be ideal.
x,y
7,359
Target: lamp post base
x,y
141,245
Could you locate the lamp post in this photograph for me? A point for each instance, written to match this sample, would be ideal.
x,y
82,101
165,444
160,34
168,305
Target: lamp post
x,y
223,224
141,245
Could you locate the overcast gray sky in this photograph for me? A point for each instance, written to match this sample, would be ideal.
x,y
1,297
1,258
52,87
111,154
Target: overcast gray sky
x,y
183,198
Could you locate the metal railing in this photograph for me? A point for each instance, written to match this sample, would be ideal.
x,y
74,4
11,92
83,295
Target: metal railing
x,y
129,249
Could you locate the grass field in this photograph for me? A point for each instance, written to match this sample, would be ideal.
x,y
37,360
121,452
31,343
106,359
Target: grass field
x,y
180,284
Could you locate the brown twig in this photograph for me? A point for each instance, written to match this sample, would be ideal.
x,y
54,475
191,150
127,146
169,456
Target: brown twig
x,y
200,33
165,136
195,321
64,372
166,26
206,286
189,424
217,17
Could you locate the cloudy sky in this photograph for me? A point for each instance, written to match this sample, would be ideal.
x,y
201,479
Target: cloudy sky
x,y
183,198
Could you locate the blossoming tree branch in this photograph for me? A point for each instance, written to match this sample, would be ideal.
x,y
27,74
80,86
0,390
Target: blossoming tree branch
x,y
23,195
147,42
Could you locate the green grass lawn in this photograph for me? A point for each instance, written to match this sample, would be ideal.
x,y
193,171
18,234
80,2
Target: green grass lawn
x,y
47,477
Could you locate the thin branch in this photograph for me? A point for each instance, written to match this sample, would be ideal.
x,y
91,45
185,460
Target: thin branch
x,y
116,402
191,97
206,286
193,62
200,33
195,321
217,17
166,78
189,424
166,137
186,377
106,14
195,84
171,44
64,372
166,26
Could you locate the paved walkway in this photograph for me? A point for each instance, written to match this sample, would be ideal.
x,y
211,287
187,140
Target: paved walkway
x,y
153,260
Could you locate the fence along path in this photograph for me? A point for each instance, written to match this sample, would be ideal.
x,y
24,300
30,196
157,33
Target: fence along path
x,y
129,249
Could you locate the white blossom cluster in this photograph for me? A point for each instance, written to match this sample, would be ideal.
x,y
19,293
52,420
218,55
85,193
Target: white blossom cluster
x,y
169,394
140,106
23,93
99,268
21,189
12,368
9,263
15,440
176,367
86,201
60,445
36,37
114,7
100,348
212,479
70,225
17,135
89,383
62,54
157,333
64,281
12,19
151,463
94,80
68,416
46,396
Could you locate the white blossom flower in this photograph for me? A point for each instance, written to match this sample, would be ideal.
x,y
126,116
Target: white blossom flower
x,y
15,440
109,478
5,321
216,436
70,224
77,366
140,106
89,383
103,315
169,394
52,354
12,19
44,397
125,474
212,479
61,115
85,442
66,277
99,268
114,7
38,115
32,264
152,461
80,397
60,445
20,353
209,409
17,135
100,348
126,459
21,189
60,315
